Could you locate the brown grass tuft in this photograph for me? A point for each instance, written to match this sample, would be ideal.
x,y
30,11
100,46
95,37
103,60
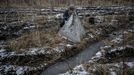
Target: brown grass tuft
x,y
35,39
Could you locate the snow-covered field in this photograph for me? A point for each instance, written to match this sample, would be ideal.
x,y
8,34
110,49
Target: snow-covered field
x,y
117,36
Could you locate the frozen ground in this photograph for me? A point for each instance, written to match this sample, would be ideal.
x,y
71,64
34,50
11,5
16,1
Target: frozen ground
x,y
103,61
39,58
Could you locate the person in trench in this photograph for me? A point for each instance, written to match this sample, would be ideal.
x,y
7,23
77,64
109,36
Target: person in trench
x,y
71,10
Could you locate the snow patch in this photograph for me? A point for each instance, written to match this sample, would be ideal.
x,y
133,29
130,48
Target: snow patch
x,y
91,35
4,53
14,69
78,70
58,16
113,73
98,54
21,71
117,40
130,64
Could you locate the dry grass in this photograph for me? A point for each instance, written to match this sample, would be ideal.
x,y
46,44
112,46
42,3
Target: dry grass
x,y
35,39
104,69
41,20
129,38
57,3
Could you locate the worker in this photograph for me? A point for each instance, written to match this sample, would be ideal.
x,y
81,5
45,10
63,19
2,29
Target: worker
x,y
67,14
